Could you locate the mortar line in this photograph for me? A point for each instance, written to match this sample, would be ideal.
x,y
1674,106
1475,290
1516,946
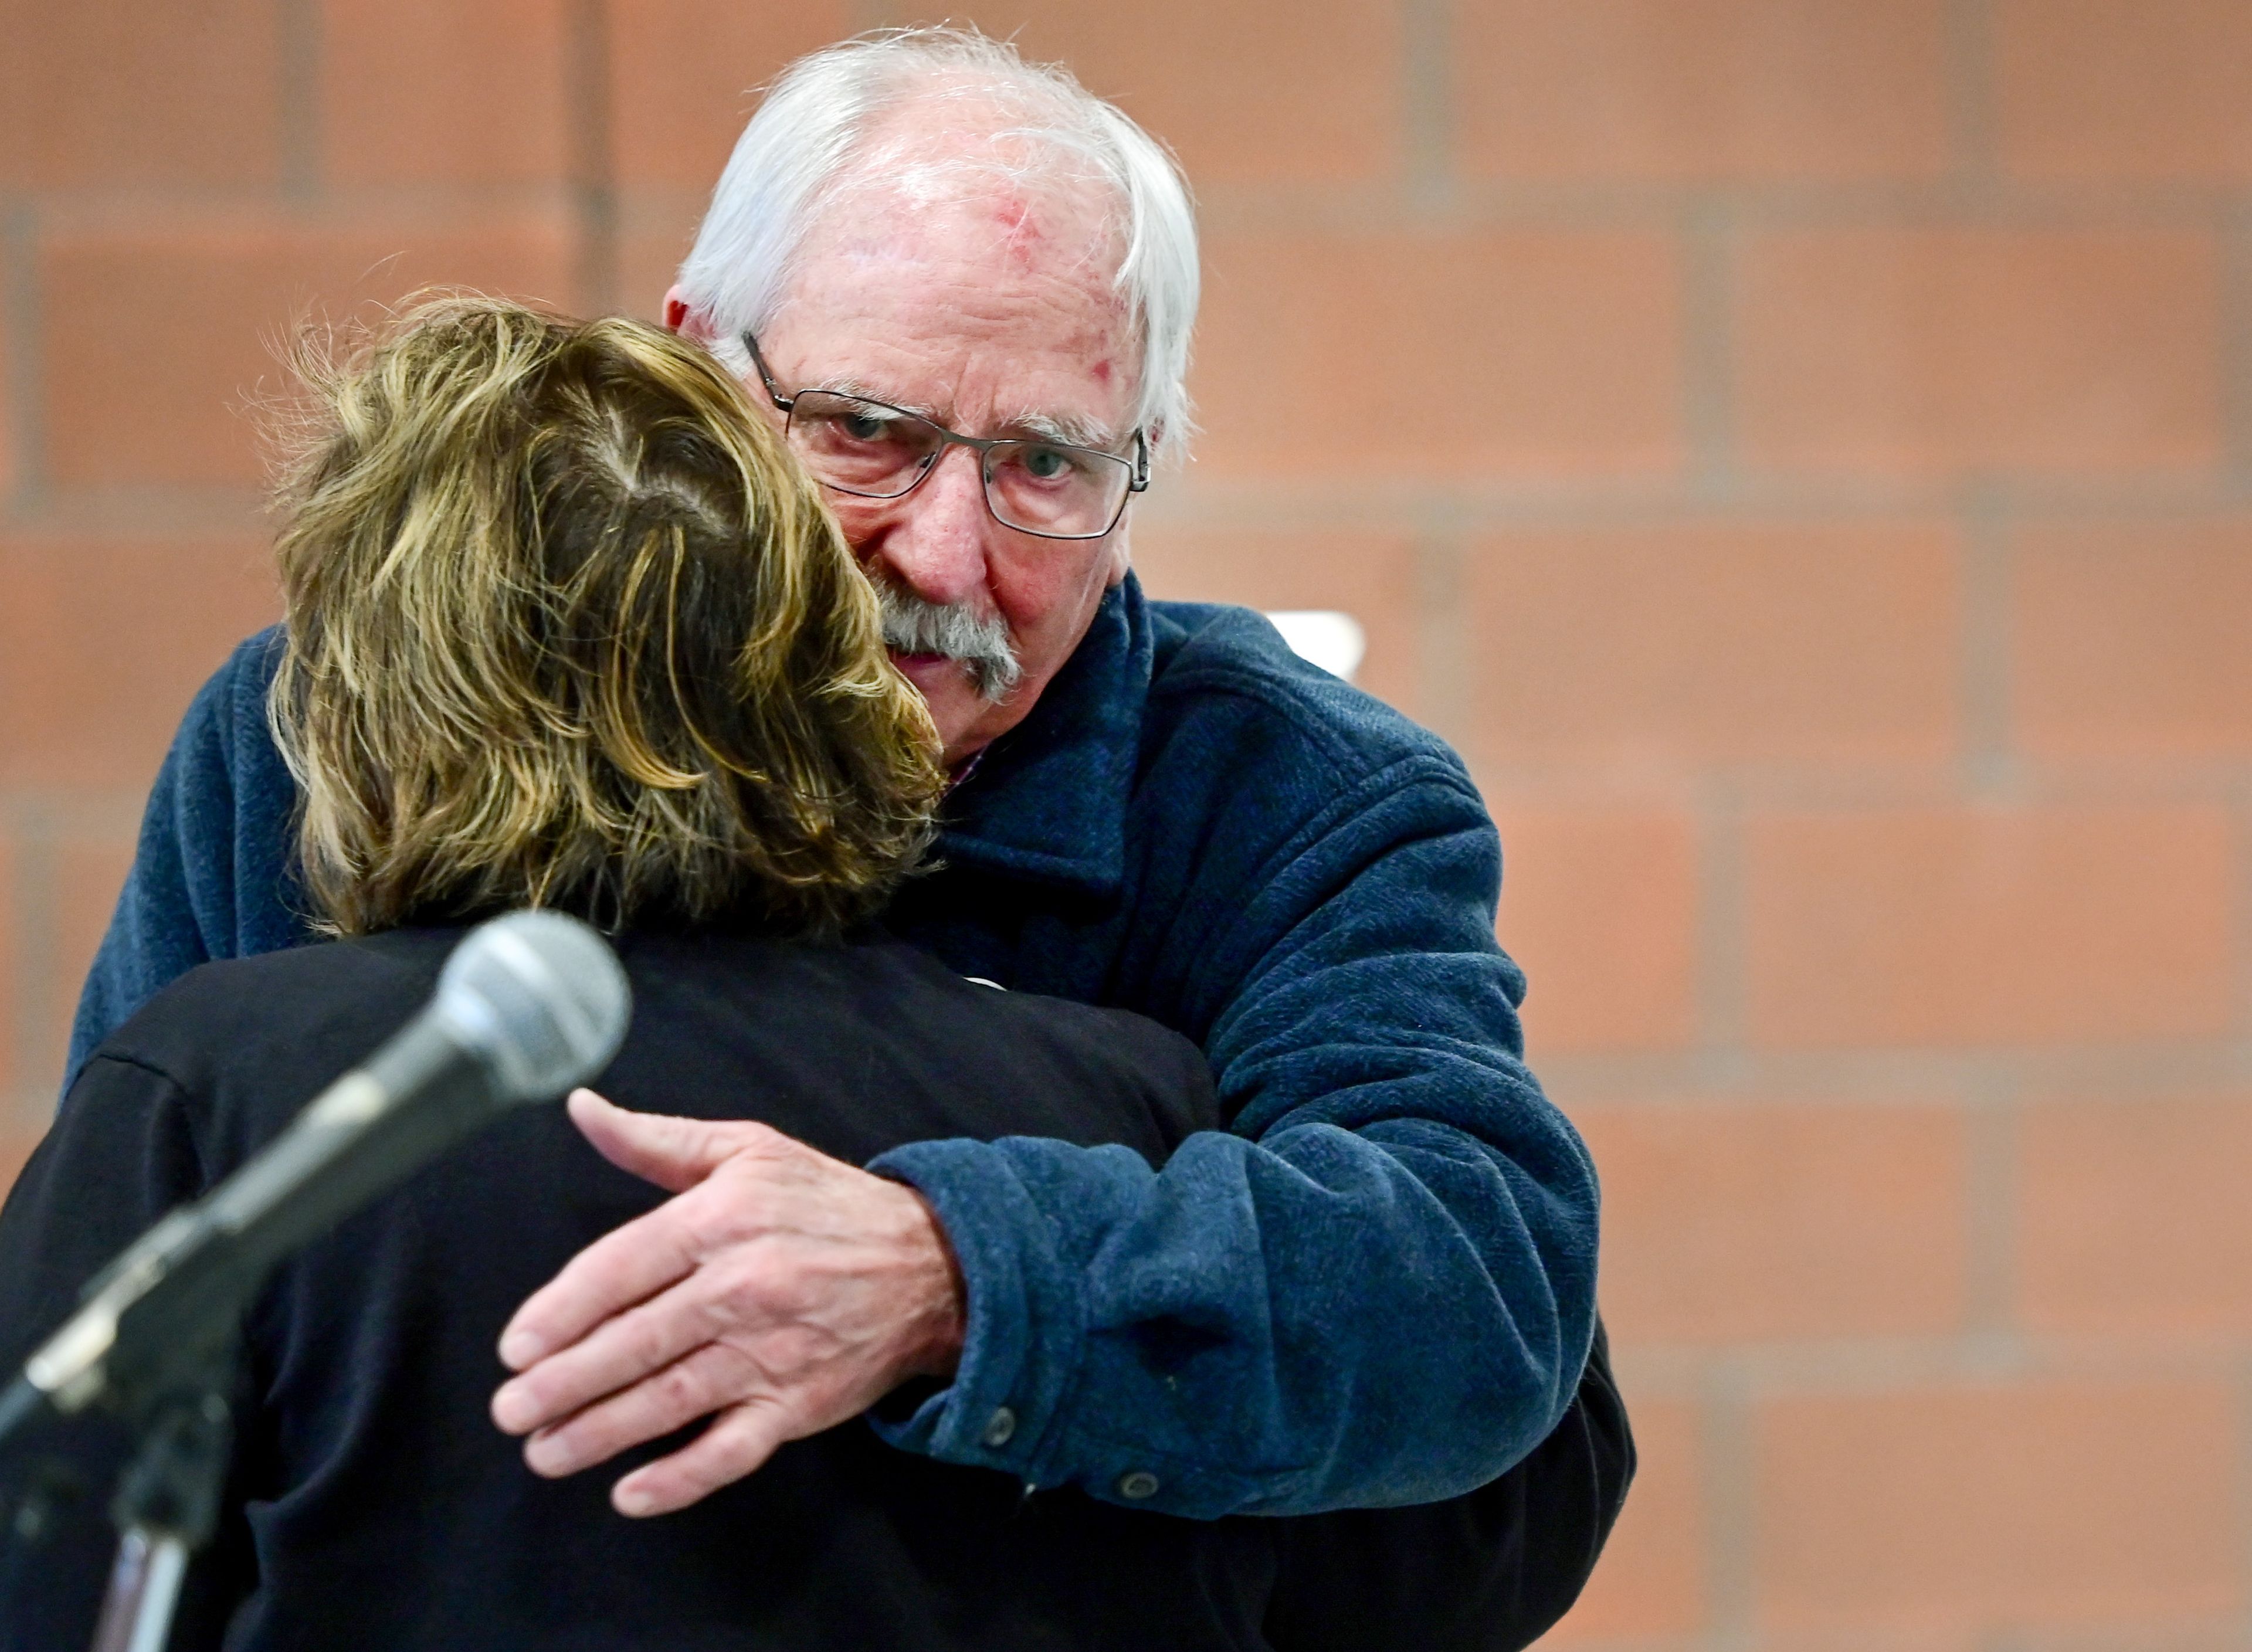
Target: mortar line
x,y
1822,1076
2234,235
2241,837
20,320
1446,674
1985,659
1666,498
2243,1484
592,158
1834,1368
1708,327
1379,208
1726,1482
1721,959
1427,106
864,15
298,22
1993,1130
36,923
1973,127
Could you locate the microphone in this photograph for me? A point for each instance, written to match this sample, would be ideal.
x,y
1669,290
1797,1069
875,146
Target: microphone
x,y
527,1006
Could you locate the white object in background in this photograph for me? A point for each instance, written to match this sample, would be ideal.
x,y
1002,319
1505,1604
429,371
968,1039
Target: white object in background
x,y
1331,640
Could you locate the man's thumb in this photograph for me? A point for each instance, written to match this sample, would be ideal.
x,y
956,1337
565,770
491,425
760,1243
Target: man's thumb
x,y
676,1154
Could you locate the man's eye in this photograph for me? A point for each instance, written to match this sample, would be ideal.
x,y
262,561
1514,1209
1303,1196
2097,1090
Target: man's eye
x,y
1045,464
864,426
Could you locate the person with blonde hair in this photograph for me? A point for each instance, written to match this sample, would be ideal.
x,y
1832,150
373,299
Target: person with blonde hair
x,y
568,627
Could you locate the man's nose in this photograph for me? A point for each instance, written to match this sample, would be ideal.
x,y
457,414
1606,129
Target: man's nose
x,y
936,539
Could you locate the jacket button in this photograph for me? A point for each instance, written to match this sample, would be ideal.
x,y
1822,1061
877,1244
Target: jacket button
x,y
999,1426
1139,1484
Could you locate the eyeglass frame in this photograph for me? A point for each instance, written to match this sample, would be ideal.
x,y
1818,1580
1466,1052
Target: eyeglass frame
x,y
1137,468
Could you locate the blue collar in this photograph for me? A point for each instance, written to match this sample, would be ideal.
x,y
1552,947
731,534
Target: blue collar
x,y
1047,800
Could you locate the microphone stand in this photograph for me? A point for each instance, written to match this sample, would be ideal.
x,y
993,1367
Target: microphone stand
x,y
167,1502
528,1005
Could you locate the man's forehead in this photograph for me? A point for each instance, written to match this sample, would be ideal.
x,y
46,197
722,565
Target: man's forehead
x,y
942,212
997,294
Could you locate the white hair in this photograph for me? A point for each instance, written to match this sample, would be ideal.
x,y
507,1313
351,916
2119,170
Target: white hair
x,y
801,144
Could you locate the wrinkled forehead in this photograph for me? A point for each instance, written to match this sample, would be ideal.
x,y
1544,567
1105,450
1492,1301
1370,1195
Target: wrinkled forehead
x,y
942,184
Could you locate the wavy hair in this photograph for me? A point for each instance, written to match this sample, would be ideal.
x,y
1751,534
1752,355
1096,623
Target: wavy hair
x,y
568,627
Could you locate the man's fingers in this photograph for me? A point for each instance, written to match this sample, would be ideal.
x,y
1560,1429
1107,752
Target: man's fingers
x,y
695,1386
739,1440
624,1266
676,1154
613,1355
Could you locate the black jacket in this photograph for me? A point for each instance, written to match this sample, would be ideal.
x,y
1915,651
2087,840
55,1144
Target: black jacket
x,y
373,1504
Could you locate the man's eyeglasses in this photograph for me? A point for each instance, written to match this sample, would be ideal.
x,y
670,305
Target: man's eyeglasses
x,y
873,450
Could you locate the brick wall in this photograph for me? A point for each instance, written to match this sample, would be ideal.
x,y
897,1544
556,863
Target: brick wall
x,y
1801,450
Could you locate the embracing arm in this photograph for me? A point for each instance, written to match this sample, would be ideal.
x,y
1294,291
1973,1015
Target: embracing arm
x,y
1378,1288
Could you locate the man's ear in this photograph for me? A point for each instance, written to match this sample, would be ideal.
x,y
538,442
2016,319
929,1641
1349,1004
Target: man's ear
x,y
684,321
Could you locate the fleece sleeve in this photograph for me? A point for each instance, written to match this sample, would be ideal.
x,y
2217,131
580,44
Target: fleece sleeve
x,y
1376,1288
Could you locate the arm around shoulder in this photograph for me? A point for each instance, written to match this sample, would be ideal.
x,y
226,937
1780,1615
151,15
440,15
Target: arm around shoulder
x,y
1379,1286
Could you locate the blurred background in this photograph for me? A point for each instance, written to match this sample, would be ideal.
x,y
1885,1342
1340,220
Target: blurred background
x,y
1799,450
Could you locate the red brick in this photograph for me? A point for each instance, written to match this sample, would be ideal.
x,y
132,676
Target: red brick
x,y
1428,357
1370,576
139,92
155,339
1600,907
1682,645
1723,89
1242,92
2130,638
2044,1503
1761,1222
1650,1581
1940,351
1944,927
70,713
11,463
2131,1215
433,91
684,76
2123,89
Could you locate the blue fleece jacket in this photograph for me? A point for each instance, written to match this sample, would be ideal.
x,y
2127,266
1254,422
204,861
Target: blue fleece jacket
x,y
1377,1287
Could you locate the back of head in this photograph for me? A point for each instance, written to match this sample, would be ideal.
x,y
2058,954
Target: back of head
x,y
811,140
568,627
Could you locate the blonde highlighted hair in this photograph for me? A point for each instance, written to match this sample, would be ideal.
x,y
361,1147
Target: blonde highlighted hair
x,y
568,627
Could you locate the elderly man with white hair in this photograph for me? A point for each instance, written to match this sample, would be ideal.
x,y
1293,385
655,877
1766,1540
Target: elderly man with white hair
x,y
965,288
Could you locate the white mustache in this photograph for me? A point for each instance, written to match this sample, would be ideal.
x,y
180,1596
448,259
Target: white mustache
x,y
955,630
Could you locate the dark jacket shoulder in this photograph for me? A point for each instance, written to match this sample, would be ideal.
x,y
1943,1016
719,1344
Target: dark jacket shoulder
x,y
861,1044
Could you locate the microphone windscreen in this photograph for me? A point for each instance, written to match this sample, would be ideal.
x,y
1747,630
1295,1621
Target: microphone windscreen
x,y
541,999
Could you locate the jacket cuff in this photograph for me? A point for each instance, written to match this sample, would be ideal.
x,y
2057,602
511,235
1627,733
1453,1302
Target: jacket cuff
x,y
1024,1341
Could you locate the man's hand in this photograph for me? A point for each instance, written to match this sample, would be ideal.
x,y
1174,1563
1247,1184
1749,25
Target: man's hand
x,y
782,1289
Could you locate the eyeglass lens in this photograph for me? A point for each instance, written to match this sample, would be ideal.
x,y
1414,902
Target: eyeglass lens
x,y
865,447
